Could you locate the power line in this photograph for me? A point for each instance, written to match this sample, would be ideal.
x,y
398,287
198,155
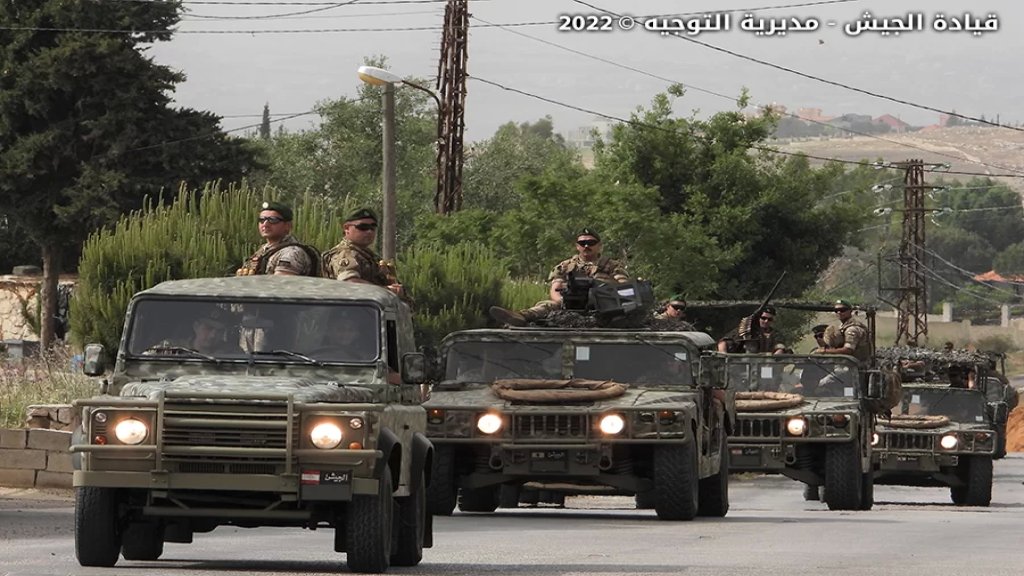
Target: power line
x,y
278,3
284,15
815,78
207,18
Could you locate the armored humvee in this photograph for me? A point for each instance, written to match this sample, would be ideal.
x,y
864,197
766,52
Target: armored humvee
x,y
806,417
302,409
939,436
580,411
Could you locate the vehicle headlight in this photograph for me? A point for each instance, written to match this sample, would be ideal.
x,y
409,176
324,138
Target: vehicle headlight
x,y
875,439
948,442
131,431
796,427
612,424
489,423
325,435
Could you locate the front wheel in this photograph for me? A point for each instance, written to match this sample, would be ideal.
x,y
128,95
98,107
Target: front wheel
x,y
714,490
368,526
675,482
97,526
143,541
412,520
843,476
442,492
979,481
479,499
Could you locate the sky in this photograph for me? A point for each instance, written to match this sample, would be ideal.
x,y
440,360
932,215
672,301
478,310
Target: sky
x,y
233,74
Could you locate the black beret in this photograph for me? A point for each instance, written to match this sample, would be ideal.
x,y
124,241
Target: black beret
x,y
282,209
362,214
589,232
819,329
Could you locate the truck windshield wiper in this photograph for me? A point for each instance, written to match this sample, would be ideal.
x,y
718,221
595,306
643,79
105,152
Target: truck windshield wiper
x,y
289,354
658,347
161,351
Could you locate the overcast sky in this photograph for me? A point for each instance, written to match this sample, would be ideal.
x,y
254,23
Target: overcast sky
x,y
235,74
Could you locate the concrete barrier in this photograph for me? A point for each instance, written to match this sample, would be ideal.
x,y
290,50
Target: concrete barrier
x,y
35,458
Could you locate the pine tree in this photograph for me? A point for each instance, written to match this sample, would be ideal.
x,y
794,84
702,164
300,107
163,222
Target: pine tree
x,y
265,125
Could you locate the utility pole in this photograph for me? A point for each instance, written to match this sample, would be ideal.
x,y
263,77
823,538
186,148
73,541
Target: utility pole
x,y
451,84
388,177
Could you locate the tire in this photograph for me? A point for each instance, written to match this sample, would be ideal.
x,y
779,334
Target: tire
x,y
368,528
979,481
479,499
1000,452
645,500
143,541
867,491
97,526
812,493
675,482
714,490
508,496
411,516
442,492
843,476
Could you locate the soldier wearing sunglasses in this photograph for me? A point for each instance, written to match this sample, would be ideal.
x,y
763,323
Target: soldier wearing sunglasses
x,y
353,259
851,337
282,254
675,309
588,261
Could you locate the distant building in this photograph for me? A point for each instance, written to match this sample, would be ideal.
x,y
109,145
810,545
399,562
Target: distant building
x,y
894,123
583,136
812,115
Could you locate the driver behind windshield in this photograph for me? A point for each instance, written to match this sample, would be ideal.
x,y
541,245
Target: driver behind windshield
x,y
207,337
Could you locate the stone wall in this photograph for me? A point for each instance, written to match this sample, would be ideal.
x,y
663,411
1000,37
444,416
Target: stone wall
x,y
15,293
35,458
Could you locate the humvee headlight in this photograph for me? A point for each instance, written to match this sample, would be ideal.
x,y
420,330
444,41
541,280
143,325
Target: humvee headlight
x,y
875,439
131,431
948,442
489,423
796,427
612,424
326,435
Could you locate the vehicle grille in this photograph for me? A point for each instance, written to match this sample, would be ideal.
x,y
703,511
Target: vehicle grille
x,y
904,441
211,424
550,425
758,427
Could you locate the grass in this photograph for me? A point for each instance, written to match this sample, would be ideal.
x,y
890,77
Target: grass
x,y
47,379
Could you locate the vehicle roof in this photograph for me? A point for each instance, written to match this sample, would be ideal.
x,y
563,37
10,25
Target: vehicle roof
x,y
273,287
699,339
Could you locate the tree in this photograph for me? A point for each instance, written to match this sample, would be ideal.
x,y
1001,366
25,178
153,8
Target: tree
x,y
495,166
265,123
765,212
86,127
1010,262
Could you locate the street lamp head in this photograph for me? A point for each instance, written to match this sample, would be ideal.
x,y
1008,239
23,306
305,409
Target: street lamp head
x,y
377,76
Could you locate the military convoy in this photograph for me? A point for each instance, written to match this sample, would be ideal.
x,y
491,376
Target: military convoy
x,y
569,411
271,422
940,436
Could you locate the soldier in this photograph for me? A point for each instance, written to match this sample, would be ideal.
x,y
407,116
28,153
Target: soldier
x,y
675,309
587,262
282,254
851,337
353,259
751,338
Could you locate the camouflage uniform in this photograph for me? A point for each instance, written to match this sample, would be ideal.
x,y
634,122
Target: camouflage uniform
x,y
604,269
853,336
288,255
347,261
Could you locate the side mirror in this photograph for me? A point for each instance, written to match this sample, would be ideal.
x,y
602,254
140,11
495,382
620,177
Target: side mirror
x,y
1000,412
414,368
875,388
93,364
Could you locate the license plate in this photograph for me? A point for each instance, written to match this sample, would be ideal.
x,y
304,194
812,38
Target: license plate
x,y
549,455
548,460
905,458
745,451
336,477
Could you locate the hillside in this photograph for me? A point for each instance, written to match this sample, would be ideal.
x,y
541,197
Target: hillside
x,y
961,147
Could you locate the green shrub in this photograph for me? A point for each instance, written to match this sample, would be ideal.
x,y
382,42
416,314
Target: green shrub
x,y
47,379
519,294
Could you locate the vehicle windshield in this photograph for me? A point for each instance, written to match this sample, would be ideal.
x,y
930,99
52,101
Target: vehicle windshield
x,y
646,362
489,361
295,332
810,377
958,404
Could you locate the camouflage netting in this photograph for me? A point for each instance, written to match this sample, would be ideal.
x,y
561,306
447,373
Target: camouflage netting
x,y
556,391
934,357
766,401
917,422
642,320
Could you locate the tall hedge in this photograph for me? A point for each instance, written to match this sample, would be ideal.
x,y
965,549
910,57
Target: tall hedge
x,y
208,233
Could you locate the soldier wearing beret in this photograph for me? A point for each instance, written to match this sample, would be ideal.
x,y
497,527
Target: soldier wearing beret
x,y
353,259
675,309
282,254
587,262
851,337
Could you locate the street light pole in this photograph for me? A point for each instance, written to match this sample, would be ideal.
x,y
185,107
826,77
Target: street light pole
x,y
390,232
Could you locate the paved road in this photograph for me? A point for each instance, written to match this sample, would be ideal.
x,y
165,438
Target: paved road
x,y
769,531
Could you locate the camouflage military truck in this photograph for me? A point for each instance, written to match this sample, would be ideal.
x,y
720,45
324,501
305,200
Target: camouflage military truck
x,y
939,436
809,418
303,409
572,411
